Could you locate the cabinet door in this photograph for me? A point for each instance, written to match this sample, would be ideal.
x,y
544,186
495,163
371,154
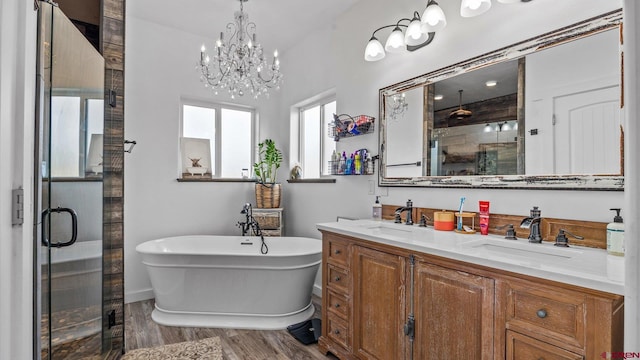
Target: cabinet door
x,y
378,304
454,314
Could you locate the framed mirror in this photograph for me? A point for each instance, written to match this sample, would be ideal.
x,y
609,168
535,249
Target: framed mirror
x,y
543,113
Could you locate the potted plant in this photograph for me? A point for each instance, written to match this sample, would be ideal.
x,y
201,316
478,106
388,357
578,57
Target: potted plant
x,y
269,160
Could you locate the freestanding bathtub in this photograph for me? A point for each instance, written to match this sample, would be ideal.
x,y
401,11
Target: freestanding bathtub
x,y
225,281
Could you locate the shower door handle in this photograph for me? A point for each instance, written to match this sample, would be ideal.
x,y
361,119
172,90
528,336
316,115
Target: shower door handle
x,y
74,227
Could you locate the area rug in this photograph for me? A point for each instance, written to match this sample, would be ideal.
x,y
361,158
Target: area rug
x,y
205,349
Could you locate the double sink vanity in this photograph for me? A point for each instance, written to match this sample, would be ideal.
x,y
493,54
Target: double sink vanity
x,y
392,291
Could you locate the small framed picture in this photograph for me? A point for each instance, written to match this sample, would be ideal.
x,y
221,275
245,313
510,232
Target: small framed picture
x,y
196,157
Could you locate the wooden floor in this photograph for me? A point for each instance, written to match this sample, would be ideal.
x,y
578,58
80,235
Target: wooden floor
x,y
142,332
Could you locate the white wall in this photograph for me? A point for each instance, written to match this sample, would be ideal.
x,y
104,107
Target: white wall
x,y
160,70
17,80
632,175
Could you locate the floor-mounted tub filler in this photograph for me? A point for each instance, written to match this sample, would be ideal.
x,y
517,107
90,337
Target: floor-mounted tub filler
x,y
225,281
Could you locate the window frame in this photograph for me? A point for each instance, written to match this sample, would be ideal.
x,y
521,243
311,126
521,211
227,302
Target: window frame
x,y
218,106
324,137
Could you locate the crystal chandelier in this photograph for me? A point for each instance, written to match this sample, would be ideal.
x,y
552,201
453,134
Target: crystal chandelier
x,y
396,106
238,64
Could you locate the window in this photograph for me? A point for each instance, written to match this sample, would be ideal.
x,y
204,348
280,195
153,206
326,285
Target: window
x,y
316,146
76,136
230,131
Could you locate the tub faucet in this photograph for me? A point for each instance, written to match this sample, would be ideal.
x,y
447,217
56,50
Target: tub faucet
x,y
533,224
408,209
250,222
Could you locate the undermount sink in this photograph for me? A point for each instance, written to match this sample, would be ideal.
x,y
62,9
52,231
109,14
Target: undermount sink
x,y
522,251
390,229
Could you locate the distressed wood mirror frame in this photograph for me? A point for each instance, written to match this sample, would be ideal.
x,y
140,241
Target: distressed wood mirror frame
x,y
561,182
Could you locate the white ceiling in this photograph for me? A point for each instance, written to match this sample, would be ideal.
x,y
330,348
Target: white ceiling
x,y
280,23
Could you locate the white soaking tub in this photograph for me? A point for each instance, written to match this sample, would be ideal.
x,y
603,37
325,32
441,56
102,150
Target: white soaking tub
x,y
226,282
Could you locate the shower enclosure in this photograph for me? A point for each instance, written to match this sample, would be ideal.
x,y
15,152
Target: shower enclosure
x,y
68,304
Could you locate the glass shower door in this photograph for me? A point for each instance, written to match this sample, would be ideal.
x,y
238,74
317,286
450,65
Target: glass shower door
x,y
71,78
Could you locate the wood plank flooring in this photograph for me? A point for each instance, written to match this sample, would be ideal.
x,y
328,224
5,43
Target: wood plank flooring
x,y
142,332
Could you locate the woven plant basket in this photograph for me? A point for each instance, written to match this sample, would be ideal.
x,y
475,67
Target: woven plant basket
x,y
268,196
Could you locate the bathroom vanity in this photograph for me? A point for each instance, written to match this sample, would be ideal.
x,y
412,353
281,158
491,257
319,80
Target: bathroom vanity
x,y
392,291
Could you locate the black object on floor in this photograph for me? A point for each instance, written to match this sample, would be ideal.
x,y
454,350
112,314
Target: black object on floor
x,y
307,332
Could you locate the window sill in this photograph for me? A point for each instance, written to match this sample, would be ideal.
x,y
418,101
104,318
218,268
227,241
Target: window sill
x,y
209,179
312,181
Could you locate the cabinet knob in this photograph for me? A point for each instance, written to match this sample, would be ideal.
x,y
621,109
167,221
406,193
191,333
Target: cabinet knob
x,y
336,331
336,305
337,278
542,313
337,252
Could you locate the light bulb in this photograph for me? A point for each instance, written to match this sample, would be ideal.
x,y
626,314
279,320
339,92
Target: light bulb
x,y
395,42
433,18
275,53
374,50
202,49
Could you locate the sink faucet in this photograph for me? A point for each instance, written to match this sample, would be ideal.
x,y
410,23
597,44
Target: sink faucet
x,y
250,222
533,224
409,209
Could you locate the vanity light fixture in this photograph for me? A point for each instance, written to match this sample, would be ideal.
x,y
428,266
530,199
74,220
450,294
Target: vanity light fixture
x,y
238,63
419,32
396,106
460,114
491,83
487,128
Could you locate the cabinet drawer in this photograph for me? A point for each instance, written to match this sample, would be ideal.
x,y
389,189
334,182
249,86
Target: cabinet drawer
x,y
555,313
521,347
338,304
272,232
268,221
337,278
337,252
338,330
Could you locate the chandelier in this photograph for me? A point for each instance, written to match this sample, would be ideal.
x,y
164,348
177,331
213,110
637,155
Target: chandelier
x,y
238,62
396,106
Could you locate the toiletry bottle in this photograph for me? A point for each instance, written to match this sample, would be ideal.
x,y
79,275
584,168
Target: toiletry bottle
x,y
335,160
377,210
615,235
484,217
358,164
343,163
349,162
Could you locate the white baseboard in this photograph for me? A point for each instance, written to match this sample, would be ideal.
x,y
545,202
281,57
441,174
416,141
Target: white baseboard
x,y
317,290
130,297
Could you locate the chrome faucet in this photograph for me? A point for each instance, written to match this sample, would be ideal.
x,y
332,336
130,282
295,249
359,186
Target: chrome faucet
x,y
409,209
533,224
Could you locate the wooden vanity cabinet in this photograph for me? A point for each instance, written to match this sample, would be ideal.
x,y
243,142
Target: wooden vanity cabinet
x,y
371,291
454,313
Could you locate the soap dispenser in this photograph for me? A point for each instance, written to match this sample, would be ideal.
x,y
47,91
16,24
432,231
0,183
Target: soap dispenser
x,y
377,210
615,235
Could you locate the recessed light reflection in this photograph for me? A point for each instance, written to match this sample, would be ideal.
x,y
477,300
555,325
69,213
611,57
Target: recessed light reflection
x,y
438,97
491,83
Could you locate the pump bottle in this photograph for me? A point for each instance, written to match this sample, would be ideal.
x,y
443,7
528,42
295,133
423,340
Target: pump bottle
x,y
377,210
615,235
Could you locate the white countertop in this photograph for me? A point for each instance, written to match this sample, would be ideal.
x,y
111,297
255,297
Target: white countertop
x,y
576,265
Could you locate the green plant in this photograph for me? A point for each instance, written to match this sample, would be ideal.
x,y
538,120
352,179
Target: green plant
x,y
269,160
